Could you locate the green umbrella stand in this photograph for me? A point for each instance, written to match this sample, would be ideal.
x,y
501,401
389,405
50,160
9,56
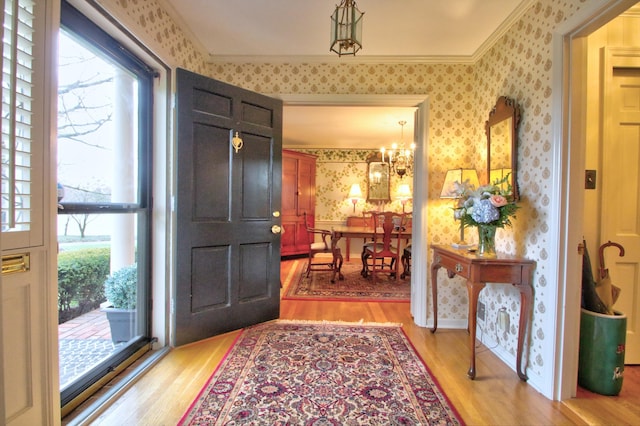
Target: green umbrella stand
x,y
601,356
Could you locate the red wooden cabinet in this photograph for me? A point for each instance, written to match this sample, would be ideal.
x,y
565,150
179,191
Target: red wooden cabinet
x,y
298,198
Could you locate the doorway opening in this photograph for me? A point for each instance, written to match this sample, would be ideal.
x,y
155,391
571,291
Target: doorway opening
x,y
420,253
572,108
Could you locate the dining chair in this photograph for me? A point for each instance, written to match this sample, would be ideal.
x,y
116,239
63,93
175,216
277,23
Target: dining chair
x,y
406,262
323,246
384,245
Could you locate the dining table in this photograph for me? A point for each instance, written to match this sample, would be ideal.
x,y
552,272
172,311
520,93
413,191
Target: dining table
x,y
365,232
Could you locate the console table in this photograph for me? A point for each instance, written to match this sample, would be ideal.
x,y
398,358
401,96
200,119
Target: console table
x,y
502,269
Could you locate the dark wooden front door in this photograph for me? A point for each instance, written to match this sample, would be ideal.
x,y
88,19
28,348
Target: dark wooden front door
x,y
228,255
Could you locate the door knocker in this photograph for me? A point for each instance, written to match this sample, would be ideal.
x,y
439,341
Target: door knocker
x,y
237,142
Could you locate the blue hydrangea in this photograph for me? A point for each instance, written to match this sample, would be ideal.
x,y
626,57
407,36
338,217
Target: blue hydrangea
x,y
485,212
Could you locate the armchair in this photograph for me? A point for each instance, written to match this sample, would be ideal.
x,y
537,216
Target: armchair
x,y
325,265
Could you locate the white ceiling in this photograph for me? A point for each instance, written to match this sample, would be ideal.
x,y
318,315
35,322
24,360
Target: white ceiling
x,y
346,126
396,28
393,30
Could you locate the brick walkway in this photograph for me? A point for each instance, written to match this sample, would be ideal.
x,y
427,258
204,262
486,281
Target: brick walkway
x,y
92,325
83,342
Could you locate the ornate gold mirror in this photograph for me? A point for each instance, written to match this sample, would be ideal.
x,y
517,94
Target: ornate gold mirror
x,y
378,179
502,143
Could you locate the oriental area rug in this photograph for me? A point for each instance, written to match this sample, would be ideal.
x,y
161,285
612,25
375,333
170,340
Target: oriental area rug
x,y
354,287
321,373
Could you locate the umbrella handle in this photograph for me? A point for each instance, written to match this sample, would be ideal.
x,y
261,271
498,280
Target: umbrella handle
x,y
603,271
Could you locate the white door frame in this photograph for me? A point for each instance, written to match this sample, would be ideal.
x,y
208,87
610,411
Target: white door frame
x,y
569,129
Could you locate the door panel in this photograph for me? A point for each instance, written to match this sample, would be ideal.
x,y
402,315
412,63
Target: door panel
x,y
621,200
307,188
207,203
289,180
208,293
255,178
254,276
228,258
23,340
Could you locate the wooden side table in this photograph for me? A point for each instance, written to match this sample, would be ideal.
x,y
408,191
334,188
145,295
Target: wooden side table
x,y
503,269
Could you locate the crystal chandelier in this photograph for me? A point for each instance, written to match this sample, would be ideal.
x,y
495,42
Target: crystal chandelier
x,y
400,158
346,29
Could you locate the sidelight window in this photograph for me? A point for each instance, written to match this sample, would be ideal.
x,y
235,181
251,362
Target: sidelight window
x,y
104,203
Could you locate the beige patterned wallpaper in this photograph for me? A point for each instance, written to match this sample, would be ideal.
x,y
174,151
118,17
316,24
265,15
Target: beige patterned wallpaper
x,y
153,25
519,65
336,171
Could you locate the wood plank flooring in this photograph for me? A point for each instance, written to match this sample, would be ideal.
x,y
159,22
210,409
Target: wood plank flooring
x,y
496,397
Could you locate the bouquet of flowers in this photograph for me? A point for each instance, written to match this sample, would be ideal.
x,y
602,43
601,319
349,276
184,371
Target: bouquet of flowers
x,y
488,205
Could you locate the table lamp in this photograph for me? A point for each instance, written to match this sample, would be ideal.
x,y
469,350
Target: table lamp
x,y
449,191
404,194
355,194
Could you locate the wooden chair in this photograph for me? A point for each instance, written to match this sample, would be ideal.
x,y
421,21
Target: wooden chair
x,y
406,253
323,246
406,262
384,244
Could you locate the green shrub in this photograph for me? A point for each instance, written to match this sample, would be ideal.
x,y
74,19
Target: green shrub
x,y
81,274
121,287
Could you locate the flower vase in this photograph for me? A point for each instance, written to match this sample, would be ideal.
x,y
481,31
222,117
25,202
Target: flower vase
x,y
486,241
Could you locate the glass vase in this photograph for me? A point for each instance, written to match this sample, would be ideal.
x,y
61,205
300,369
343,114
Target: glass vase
x,y
486,241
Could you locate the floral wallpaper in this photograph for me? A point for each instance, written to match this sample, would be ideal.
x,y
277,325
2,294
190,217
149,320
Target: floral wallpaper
x,y
336,171
519,65
161,34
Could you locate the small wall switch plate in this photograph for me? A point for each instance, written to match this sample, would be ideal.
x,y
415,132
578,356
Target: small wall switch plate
x,y
503,321
589,179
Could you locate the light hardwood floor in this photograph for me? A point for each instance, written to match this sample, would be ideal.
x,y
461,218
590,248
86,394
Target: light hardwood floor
x,y
496,397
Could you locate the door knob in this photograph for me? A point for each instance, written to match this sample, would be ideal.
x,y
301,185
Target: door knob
x,y
275,229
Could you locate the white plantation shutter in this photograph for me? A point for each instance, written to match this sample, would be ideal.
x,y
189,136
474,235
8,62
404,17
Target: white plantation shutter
x,y
17,110
28,350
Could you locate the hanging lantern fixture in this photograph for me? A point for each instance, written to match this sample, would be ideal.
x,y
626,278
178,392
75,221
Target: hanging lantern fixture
x,y
346,29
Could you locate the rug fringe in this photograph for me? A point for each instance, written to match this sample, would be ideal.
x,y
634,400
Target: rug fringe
x,y
361,322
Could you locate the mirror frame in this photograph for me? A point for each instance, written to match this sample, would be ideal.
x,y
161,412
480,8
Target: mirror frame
x,y
375,160
504,109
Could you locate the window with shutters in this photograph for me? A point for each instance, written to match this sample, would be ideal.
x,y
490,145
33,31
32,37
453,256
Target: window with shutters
x,y
17,110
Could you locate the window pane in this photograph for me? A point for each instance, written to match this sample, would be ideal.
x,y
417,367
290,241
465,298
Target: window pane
x,y
97,290
97,127
103,262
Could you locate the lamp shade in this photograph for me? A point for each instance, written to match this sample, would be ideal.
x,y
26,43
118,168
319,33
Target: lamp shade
x,y
404,192
458,176
355,192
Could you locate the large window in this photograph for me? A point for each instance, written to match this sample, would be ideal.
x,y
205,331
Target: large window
x,y
104,169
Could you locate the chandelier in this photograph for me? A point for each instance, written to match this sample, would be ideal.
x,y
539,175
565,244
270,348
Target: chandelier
x,y
400,159
346,29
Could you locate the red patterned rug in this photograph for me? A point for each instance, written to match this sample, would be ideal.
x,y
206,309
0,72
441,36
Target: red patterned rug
x,y
319,286
321,373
